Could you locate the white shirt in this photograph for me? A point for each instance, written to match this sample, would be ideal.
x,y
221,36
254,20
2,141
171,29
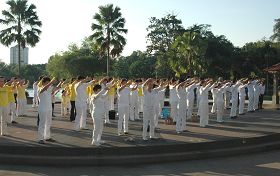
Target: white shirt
x,y
190,91
149,98
123,97
35,89
182,95
173,94
45,100
81,93
98,104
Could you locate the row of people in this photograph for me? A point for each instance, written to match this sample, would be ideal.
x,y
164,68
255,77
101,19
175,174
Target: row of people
x,y
98,95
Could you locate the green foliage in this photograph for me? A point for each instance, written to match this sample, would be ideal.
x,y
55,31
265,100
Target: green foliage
x,y
29,72
22,25
276,30
108,31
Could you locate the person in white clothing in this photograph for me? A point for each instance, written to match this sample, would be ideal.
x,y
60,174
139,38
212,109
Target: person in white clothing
x,y
123,106
234,99
45,109
250,88
105,83
97,105
206,86
35,94
133,102
242,96
190,97
214,97
81,102
220,90
182,107
150,91
173,99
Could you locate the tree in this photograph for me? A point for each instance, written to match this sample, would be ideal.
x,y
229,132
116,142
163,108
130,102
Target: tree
x,y
22,25
108,30
276,30
161,34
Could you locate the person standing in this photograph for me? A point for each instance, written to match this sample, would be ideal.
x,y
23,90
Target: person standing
x,y
182,107
35,94
206,86
72,99
173,99
81,102
21,97
257,88
45,109
133,103
242,96
97,104
12,106
262,91
4,103
234,99
148,109
123,105
250,87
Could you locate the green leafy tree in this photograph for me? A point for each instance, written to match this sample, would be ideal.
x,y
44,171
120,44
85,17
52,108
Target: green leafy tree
x,y
22,26
108,31
276,30
161,34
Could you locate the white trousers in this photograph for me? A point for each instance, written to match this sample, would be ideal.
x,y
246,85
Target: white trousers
x,y
21,103
106,113
81,116
214,106
174,110
123,119
204,113
98,124
35,100
251,102
156,113
12,111
44,128
111,99
220,110
190,104
64,107
181,120
133,107
233,109
227,99
241,104
148,120
3,119
256,101
140,103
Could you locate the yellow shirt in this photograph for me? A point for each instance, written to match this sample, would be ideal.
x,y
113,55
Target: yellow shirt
x,y
11,97
4,101
72,92
140,91
112,91
21,92
89,90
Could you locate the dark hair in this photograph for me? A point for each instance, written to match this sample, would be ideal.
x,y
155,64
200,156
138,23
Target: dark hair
x,y
73,79
80,77
96,87
46,79
41,77
123,80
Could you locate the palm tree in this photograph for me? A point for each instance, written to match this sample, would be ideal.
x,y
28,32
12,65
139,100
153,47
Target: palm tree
x,y
22,25
276,30
108,31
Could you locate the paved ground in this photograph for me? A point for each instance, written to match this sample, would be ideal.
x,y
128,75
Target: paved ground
x,y
262,164
255,124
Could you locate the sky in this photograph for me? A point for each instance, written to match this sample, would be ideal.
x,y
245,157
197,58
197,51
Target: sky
x,y
69,21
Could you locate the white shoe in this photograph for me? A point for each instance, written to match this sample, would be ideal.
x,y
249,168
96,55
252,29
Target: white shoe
x,y
145,139
107,122
102,142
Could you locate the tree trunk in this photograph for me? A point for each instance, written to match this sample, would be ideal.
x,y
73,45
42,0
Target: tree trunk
x,y
19,59
108,49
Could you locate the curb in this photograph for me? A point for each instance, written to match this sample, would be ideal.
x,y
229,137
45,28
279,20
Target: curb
x,y
65,156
